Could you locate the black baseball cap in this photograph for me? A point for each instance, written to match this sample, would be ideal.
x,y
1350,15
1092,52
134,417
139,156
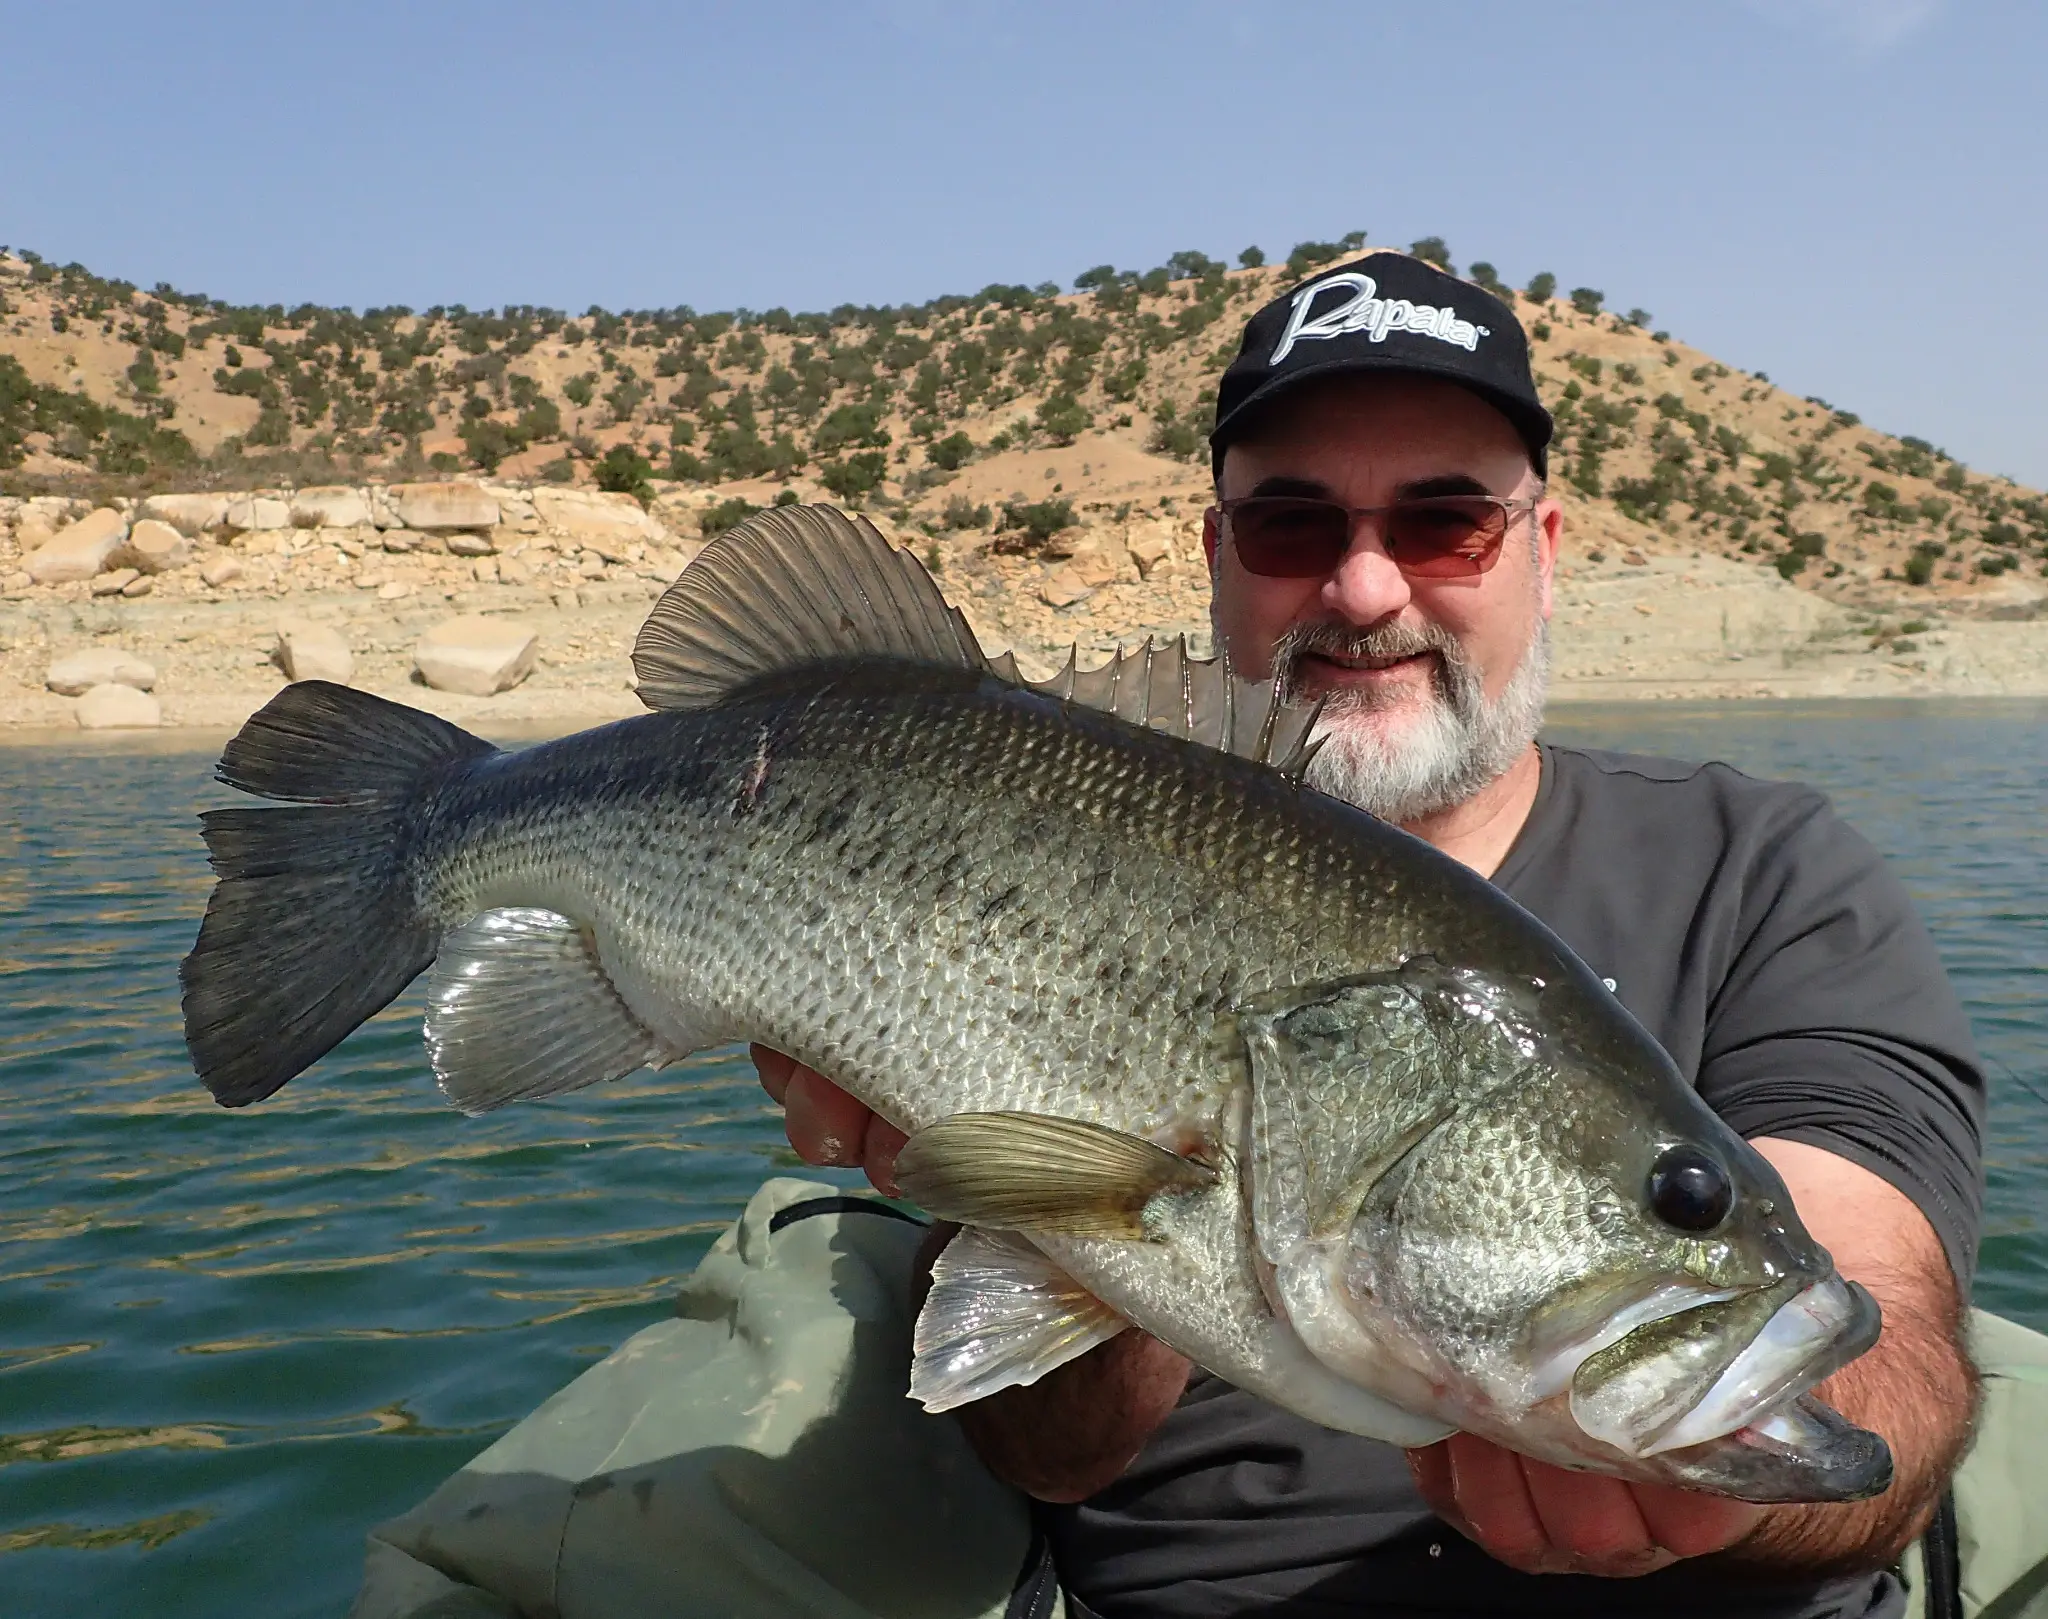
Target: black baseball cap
x,y
1386,312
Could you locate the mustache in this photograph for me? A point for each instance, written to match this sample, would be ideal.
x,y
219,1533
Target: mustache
x,y
1381,643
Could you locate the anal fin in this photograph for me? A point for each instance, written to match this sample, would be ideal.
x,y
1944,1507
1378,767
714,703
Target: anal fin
x,y
1000,1315
518,1007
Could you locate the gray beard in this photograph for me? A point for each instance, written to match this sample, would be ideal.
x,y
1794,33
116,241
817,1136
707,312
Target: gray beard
x,y
1431,760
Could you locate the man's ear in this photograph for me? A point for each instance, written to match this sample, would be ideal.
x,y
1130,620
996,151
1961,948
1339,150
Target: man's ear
x,y
1211,534
1549,520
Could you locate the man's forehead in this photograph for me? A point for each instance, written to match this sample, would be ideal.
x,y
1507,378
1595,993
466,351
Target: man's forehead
x,y
1385,431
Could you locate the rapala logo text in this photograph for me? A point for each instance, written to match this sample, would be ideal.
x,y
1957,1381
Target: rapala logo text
x,y
1365,312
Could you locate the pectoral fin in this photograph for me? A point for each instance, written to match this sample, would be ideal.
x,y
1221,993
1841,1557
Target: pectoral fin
x,y
1000,1315
1030,1172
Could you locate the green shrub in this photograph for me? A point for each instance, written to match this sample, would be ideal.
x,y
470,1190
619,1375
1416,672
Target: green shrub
x,y
1307,255
1432,250
1063,419
442,461
1034,523
960,512
1624,372
715,520
1542,287
1587,300
952,452
1092,280
1251,258
787,497
488,443
579,390
1639,317
623,470
853,478
683,467
1919,568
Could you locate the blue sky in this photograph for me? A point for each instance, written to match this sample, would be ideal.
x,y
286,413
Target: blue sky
x,y
1851,195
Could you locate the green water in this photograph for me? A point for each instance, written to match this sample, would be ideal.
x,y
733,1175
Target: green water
x,y
231,1342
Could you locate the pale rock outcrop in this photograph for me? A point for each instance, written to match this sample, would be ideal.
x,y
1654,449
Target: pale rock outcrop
x,y
382,513
113,584
330,506
80,551
1098,560
218,570
605,523
190,515
253,514
78,672
465,544
118,708
309,651
1148,544
476,656
1064,586
442,507
154,546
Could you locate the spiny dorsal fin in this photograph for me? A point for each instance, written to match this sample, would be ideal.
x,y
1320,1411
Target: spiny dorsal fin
x,y
790,586
1201,699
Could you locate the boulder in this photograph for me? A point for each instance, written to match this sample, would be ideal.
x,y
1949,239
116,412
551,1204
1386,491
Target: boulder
x,y
441,507
471,545
118,708
606,523
309,651
80,551
78,672
475,655
255,513
330,506
1149,544
190,515
1063,587
217,571
153,546
113,584
1098,560
140,585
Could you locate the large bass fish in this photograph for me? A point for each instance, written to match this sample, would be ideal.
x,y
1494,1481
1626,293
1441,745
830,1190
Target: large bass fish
x,y
1184,1043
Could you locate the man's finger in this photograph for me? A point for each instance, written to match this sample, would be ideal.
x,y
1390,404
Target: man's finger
x,y
774,1069
1493,1500
825,1124
1592,1519
1692,1525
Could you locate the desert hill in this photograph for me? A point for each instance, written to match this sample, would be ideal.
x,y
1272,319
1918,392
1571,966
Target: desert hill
x,y
1042,449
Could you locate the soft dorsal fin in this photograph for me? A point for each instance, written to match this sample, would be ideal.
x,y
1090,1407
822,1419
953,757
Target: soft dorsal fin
x,y
797,585
1201,699
790,586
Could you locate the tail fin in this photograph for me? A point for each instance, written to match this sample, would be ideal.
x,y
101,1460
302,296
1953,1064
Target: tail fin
x,y
313,927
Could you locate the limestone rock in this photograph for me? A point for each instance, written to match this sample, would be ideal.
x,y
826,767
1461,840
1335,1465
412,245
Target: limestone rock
x,y
440,507
606,523
190,515
78,672
118,708
1149,544
80,551
1098,560
15,580
475,655
256,513
1063,587
154,546
112,584
329,506
217,571
471,545
140,585
309,651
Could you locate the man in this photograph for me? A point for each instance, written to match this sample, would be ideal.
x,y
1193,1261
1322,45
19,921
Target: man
x,y
1382,538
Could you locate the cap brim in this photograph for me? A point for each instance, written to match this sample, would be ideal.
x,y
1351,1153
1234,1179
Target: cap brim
x,y
1533,427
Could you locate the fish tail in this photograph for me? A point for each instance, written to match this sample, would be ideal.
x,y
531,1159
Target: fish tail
x,y
316,923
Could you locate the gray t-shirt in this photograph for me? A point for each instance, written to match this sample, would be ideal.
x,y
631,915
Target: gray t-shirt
x,y
1766,945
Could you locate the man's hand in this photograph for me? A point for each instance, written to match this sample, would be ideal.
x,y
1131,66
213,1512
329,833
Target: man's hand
x,y
1548,1520
827,1126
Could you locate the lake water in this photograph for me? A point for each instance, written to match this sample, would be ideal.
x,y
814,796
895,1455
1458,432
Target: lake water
x,y
231,1342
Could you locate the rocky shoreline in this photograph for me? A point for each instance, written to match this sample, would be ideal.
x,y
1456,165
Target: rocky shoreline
x,y
512,607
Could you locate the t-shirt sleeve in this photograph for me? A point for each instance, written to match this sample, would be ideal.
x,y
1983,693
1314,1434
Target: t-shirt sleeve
x,y
1836,1025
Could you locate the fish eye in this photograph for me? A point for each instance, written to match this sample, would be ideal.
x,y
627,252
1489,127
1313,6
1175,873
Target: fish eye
x,y
1689,1190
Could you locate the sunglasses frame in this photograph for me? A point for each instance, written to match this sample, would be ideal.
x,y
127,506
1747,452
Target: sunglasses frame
x,y
1477,563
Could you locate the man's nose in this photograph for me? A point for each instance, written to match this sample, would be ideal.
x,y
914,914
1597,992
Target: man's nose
x,y
1366,587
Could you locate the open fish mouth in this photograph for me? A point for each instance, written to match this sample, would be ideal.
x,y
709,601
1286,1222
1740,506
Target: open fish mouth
x,y
1691,1377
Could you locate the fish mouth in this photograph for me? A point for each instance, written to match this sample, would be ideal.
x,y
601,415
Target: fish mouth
x,y
1695,1376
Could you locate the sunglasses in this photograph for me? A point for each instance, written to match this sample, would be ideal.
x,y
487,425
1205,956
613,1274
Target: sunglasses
x,y
1436,537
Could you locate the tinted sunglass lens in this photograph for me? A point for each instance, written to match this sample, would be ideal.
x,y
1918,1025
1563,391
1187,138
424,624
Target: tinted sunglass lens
x,y
1290,539
1439,538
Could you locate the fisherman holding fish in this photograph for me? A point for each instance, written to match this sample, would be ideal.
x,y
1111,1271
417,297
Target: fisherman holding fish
x,y
1566,1121
1383,542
